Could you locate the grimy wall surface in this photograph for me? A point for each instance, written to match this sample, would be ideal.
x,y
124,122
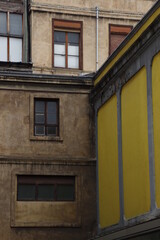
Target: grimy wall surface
x,y
22,153
42,12
126,100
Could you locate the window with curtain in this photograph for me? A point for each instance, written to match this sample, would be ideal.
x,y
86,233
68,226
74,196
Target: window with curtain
x,y
11,37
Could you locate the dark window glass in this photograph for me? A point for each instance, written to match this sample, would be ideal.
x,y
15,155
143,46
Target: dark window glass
x,y
40,106
45,188
15,24
52,131
59,37
46,117
65,192
3,22
40,118
73,38
39,130
26,192
46,192
51,113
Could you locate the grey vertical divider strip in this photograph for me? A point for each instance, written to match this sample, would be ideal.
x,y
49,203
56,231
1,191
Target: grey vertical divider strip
x,y
97,174
150,134
120,161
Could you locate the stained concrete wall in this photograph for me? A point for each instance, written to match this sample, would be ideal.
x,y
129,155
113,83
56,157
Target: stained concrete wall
x,y
19,221
115,12
69,154
17,137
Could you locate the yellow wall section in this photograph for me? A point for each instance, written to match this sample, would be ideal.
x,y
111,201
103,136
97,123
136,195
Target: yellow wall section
x,y
135,146
108,164
156,121
128,45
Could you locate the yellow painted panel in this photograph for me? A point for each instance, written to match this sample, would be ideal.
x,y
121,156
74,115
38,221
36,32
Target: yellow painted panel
x,y
156,121
135,146
108,164
128,45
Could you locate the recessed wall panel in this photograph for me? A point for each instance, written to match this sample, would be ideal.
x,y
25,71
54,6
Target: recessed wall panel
x,y
108,164
156,122
135,146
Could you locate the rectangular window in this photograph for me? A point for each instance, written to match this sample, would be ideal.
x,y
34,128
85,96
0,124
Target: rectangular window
x,y
11,37
45,188
46,117
67,44
117,34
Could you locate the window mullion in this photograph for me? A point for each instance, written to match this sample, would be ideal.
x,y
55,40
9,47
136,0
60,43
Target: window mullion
x,y
36,193
45,119
66,50
8,36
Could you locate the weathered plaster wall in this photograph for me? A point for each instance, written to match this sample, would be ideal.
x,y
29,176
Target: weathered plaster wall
x,y
128,5
11,215
115,12
16,112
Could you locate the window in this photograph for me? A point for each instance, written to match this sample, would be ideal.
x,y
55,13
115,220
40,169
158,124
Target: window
x,y
45,188
67,44
46,117
10,37
117,34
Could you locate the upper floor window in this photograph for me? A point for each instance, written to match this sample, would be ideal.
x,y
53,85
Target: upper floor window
x,y
117,34
11,37
67,44
46,117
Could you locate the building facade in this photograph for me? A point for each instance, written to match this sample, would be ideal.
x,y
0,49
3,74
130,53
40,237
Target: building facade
x,y
126,101
48,50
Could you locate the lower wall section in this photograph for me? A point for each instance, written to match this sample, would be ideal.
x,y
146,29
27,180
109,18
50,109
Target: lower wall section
x,y
48,219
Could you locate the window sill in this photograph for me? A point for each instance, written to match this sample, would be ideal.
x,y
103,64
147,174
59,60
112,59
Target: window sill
x,y
46,138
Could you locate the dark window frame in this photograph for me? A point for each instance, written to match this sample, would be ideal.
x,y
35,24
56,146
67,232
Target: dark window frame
x,y
68,27
118,29
8,35
46,100
38,180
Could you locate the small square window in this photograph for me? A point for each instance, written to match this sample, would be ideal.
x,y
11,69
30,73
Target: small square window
x,y
117,33
46,117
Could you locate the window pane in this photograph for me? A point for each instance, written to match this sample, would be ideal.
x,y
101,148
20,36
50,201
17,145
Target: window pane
x,y
3,49
73,62
15,24
52,131
45,192
51,112
59,61
39,130
65,192
73,38
15,46
59,37
39,118
3,22
73,50
59,49
39,106
26,192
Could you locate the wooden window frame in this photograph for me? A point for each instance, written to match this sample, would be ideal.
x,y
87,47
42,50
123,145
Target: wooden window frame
x,y
38,180
8,35
116,29
46,100
68,27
